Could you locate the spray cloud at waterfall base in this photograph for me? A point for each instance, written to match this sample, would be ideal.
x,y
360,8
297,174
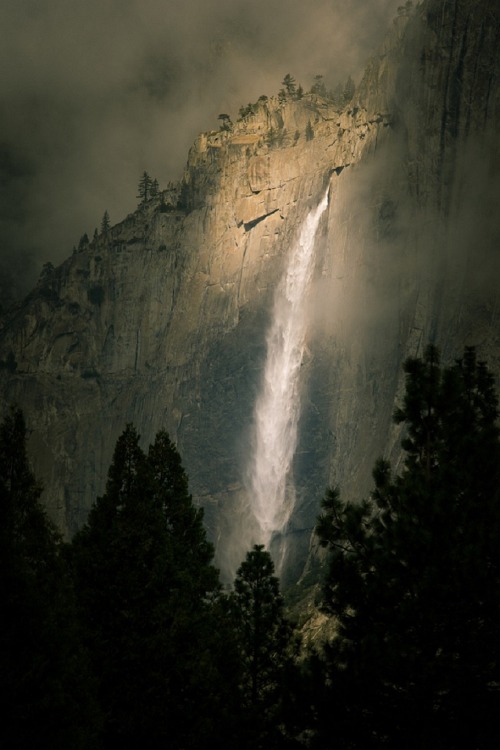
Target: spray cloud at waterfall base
x,y
277,409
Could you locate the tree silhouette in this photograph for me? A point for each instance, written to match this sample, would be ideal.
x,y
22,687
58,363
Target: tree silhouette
x,y
289,84
318,86
144,189
154,189
146,583
83,242
105,223
414,575
225,122
45,685
349,89
266,646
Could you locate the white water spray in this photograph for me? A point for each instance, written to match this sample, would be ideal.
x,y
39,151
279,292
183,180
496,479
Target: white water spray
x,y
277,409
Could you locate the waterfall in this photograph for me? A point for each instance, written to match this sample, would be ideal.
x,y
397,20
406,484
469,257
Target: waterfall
x,y
277,408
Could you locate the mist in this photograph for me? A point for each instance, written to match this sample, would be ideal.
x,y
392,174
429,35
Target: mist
x,y
96,92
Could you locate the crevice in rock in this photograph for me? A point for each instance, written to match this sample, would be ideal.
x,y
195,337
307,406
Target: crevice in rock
x,y
251,224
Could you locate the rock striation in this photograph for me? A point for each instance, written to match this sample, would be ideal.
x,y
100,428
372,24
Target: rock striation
x,y
162,320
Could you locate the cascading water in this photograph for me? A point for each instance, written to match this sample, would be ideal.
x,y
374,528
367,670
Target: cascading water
x,y
277,409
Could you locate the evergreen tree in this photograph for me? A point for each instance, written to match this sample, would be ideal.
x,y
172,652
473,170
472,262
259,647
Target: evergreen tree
x,y
267,647
309,131
144,189
225,122
349,89
155,188
45,687
318,86
250,109
147,589
83,242
414,577
289,84
105,223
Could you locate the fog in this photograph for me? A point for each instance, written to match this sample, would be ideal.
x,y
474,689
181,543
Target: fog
x,y
96,92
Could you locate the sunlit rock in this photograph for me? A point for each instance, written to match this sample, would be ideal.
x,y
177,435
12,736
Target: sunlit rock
x,y
163,322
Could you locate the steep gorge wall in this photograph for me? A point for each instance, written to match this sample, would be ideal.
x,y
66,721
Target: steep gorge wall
x,y
162,323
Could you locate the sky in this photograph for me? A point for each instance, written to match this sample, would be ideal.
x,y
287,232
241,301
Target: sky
x,y
94,92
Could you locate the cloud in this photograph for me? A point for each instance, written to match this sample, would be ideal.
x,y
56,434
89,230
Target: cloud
x,y
96,91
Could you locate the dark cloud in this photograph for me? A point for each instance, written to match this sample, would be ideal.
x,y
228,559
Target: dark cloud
x,y
96,91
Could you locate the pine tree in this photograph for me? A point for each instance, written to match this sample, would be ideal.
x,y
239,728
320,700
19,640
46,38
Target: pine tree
x,y
144,189
267,646
83,243
225,122
349,89
146,585
289,84
155,188
318,86
414,575
105,223
45,686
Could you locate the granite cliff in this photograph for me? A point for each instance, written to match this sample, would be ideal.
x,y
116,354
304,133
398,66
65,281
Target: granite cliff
x,y
162,321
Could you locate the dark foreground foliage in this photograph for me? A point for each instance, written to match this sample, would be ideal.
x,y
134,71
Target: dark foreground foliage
x,y
45,685
145,585
125,637
414,579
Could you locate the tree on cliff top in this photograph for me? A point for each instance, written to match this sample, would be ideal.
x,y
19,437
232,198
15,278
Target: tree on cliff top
x,y
318,86
289,84
414,578
105,223
349,90
144,192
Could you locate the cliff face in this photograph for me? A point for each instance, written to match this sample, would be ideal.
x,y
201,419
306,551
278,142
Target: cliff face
x,y
162,322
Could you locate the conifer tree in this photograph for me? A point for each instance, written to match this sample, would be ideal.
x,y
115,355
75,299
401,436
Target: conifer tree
x,y
225,121
266,644
289,84
45,685
318,86
414,576
105,223
349,89
146,586
155,188
83,242
144,190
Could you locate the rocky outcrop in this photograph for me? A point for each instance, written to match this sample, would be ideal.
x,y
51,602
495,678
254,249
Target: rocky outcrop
x,y
162,321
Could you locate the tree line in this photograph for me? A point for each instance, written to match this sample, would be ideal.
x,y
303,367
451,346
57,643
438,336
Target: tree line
x,y
340,96
148,188
125,635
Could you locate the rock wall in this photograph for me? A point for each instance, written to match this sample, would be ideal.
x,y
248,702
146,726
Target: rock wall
x,y
162,322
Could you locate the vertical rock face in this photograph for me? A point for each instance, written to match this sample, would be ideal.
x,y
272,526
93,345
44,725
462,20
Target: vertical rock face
x,y
162,322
